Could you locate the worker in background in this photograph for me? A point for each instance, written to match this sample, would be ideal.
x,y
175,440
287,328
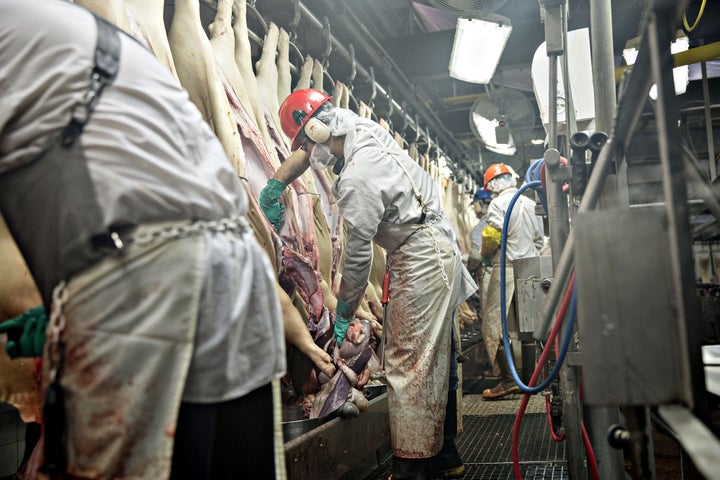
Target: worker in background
x,y
525,238
165,331
384,196
481,268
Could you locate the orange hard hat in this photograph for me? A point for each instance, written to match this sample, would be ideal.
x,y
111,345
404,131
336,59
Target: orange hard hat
x,y
493,171
297,109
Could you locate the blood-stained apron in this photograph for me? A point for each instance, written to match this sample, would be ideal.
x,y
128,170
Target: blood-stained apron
x,y
130,324
427,283
491,321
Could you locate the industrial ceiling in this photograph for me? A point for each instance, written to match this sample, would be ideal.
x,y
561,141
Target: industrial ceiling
x,y
408,43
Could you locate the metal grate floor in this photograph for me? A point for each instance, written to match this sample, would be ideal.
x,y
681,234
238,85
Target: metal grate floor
x,y
485,442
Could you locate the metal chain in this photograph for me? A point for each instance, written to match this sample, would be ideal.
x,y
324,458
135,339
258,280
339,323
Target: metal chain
x,y
56,328
60,293
231,224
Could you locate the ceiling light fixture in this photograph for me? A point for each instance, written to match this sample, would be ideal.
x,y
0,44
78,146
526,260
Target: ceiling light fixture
x,y
477,47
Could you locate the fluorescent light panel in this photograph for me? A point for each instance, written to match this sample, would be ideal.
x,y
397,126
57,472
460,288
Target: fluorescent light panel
x,y
477,48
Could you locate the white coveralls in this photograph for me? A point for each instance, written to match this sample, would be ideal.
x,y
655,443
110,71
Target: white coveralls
x,y
525,238
376,192
193,318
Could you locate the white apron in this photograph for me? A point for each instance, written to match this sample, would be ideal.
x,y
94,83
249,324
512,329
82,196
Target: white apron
x,y
491,321
418,335
127,353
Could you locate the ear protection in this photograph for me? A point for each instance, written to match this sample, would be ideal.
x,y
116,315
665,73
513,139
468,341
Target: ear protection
x,y
317,131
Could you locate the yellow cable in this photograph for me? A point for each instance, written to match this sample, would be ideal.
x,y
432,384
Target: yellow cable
x,y
688,28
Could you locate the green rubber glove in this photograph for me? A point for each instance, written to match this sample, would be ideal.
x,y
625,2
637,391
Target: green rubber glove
x,y
341,328
271,207
343,315
487,262
26,333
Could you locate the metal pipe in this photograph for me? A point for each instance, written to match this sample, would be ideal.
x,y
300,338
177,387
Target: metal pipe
x,y
552,102
601,39
558,217
570,122
708,123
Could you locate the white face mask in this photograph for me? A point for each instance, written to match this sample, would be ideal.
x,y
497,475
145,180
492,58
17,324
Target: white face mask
x,y
321,158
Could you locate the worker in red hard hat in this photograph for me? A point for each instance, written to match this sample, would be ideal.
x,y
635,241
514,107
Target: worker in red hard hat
x,y
386,197
525,238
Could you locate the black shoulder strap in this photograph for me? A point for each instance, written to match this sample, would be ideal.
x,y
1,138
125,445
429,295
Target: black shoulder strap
x,y
105,68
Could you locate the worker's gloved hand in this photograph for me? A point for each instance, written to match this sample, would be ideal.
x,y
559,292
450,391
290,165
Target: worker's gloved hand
x,y
487,262
271,207
343,315
341,328
26,333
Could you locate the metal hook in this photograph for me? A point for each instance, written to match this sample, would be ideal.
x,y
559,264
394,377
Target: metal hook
x,y
300,59
263,23
328,42
391,105
296,18
405,119
354,102
326,74
353,65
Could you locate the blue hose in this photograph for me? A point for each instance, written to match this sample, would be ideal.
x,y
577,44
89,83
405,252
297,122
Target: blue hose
x,y
503,314
533,174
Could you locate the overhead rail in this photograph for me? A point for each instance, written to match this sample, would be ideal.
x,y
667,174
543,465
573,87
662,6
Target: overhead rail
x,y
332,44
396,107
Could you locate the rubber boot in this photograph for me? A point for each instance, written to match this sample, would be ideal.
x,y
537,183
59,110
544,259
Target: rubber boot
x,y
507,385
408,468
447,463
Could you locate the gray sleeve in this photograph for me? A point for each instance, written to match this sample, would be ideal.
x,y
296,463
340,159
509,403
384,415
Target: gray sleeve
x,y
355,270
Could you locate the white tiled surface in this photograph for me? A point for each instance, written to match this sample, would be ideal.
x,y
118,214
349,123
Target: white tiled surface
x,y
12,440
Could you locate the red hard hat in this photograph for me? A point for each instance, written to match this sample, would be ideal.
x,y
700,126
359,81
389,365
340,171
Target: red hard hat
x,y
297,109
493,171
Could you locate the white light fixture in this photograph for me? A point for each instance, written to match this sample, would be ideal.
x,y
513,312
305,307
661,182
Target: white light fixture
x,y
680,74
477,48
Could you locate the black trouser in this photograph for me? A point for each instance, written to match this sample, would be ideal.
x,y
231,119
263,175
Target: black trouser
x,y
232,439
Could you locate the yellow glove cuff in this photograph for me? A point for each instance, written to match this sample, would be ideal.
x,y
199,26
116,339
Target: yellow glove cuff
x,y
491,238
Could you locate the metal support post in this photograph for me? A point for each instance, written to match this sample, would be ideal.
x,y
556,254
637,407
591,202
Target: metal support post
x,y
558,220
599,419
712,164
675,194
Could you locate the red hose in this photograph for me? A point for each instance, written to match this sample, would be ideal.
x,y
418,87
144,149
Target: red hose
x,y
533,380
594,473
556,438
